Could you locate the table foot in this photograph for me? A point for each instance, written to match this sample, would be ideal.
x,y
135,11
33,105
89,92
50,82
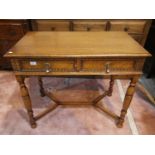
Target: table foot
x,y
32,119
33,126
119,123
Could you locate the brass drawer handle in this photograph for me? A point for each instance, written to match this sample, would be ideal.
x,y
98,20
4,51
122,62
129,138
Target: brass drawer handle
x,y
107,67
47,66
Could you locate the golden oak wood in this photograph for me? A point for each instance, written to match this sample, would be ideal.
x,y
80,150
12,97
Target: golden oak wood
x,y
89,25
76,44
127,100
113,55
137,28
56,25
27,100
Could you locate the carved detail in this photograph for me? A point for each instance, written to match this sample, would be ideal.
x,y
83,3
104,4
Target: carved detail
x,y
77,66
111,69
15,64
51,70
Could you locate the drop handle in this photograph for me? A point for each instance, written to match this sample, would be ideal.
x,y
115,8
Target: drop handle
x,y
47,67
107,67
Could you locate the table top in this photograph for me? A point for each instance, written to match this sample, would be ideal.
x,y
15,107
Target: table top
x,y
76,44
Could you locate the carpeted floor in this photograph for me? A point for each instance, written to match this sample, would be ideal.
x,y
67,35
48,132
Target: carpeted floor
x,y
71,120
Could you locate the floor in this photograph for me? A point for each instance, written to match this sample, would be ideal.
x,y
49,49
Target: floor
x,y
70,120
149,84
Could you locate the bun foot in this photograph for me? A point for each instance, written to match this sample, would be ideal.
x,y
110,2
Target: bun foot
x,y
33,125
119,123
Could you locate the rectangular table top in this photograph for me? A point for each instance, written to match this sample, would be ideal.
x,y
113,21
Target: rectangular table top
x,y
76,44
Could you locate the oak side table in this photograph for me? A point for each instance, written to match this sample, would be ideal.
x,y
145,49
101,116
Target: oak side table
x,y
112,55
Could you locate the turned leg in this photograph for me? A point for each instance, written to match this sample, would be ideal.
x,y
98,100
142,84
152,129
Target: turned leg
x,y
111,84
127,100
42,92
26,99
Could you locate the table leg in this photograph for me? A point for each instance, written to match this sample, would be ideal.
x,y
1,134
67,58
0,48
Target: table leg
x,y
26,99
111,84
42,91
127,100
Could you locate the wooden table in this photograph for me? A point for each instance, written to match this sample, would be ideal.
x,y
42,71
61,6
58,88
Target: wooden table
x,y
113,55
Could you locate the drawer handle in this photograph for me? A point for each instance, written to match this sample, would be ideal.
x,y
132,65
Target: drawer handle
x,y
52,28
126,29
107,67
88,28
47,66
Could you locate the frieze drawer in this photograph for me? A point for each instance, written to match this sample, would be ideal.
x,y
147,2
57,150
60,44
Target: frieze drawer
x,y
109,66
53,65
106,66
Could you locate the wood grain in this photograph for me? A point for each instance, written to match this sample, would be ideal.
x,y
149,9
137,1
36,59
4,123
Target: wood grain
x,y
77,44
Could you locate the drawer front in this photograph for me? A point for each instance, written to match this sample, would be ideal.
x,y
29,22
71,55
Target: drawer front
x,y
53,25
56,65
108,66
128,26
11,32
89,26
81,65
